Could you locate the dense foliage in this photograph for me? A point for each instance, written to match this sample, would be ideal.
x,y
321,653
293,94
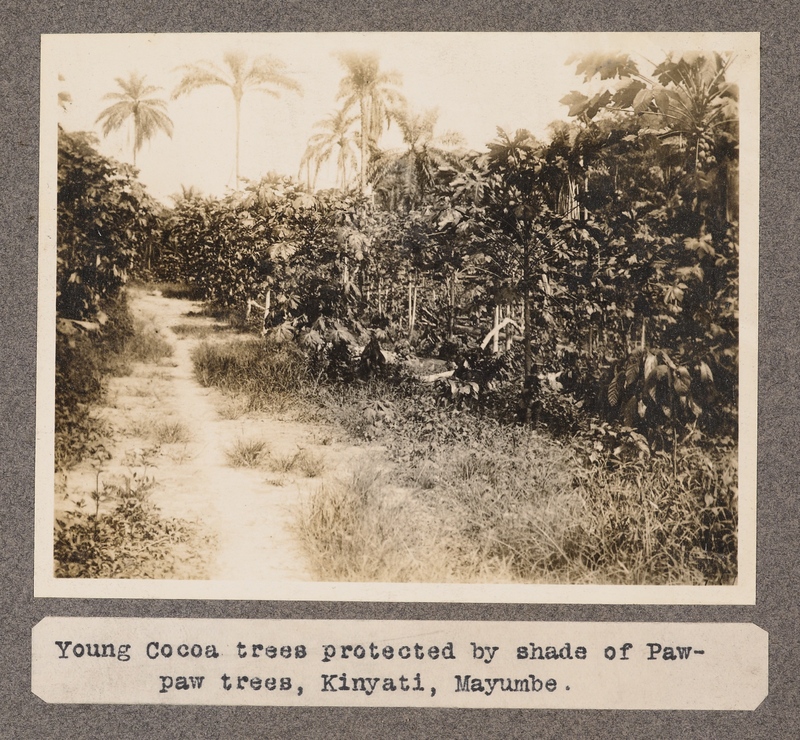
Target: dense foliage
x,y
106,227
595,273
105,219
587,284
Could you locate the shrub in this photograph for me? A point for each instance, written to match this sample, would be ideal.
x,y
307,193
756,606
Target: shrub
x,y
132,540
83,359
105,219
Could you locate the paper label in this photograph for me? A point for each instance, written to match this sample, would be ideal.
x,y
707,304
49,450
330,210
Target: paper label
x,y
353,663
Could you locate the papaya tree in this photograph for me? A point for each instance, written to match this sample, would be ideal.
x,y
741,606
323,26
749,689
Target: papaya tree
x,y
670,263
516,208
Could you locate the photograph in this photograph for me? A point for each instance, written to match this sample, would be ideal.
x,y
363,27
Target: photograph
x,y
403,317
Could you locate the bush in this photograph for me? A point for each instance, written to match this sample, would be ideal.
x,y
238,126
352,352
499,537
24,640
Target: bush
x,y
82,360
105,219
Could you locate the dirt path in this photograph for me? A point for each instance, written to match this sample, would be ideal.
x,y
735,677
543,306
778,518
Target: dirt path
x,y
182,426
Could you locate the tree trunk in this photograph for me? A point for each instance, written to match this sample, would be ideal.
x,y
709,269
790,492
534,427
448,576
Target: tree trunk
x,y
585,193
496,338
526,309
238,105
451,319
135,125
409,308
364,124
414,307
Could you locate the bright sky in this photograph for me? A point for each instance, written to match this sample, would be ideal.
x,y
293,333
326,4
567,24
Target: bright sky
x,y
477,81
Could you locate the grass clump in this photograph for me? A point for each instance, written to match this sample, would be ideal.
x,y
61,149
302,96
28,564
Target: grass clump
x,y
180,290
311,464
282,463
247,453
197,331
171,432
147,344
232,407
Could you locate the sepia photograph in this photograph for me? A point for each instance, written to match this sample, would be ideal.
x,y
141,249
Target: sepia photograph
x,y
398,317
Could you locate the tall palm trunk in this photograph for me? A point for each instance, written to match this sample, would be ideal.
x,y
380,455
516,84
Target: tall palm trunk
x,y
237,99
135,123
364,130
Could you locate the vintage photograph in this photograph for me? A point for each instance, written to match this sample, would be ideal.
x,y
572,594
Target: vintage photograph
x,y
440,317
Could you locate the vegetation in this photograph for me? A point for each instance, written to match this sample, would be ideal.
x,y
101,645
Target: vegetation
x,y
129,540
105,224
263,74
247,453
543,334
104,219
475,499
171,432
334,135
375,93
137,104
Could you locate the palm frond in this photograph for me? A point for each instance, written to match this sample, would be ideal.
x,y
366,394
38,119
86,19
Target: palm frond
x,y
200,74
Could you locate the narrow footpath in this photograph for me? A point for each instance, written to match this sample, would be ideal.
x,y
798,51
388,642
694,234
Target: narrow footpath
x,y
248,511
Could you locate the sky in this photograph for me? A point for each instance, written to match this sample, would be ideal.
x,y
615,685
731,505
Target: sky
x,y
477,81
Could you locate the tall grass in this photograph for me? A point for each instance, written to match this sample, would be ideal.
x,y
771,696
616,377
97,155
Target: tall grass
x,y
268,380
355,530
473,500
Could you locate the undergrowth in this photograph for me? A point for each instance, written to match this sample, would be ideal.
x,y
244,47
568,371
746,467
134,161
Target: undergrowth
x,y
130,538
83,360
473,499
268,381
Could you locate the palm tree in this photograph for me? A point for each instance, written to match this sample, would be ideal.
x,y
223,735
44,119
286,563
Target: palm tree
x,y
376,95
263,74
136,102
409,174
334,136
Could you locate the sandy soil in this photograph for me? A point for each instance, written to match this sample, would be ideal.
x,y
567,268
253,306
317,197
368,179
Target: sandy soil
x,y
248,511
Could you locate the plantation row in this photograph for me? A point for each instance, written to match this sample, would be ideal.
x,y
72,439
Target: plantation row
x,y
597,272
593,277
